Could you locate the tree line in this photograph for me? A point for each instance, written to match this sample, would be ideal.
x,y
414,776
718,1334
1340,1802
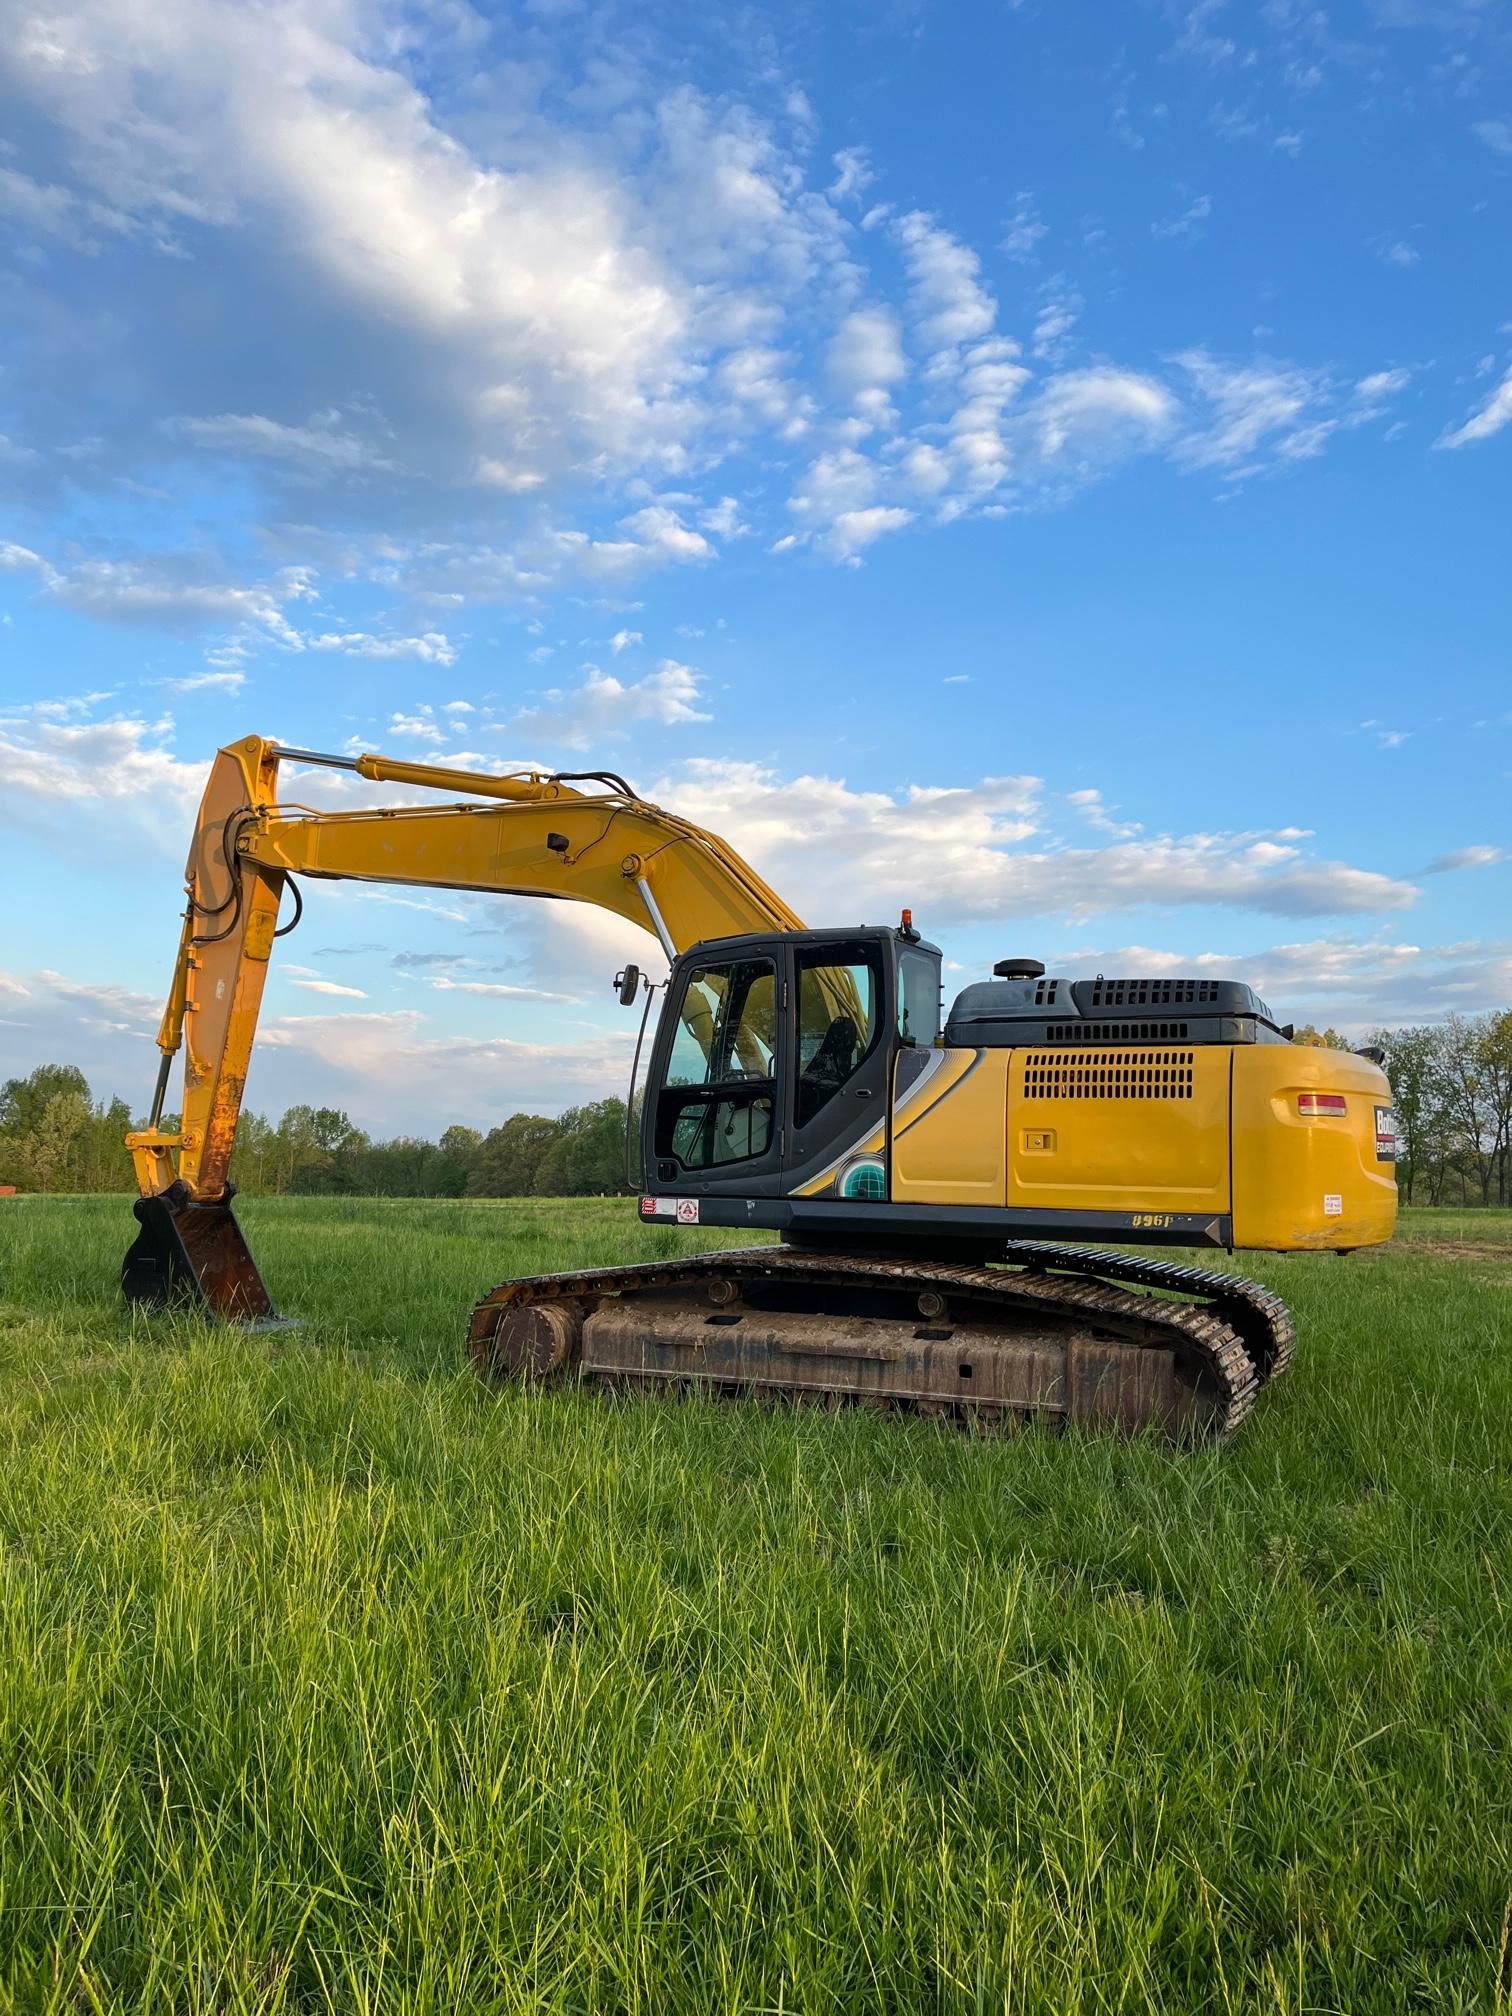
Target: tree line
x,y
55,1137
1451,1082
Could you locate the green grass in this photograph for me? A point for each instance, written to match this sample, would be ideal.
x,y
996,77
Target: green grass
x,y
330,1681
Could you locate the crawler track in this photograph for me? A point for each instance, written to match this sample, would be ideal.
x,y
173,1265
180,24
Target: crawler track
x,y
1057,1334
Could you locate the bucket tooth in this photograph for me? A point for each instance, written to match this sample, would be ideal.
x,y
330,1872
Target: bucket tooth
x,y
193,1255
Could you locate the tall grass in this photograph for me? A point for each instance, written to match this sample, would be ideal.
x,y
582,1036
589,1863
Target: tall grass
x,y
331,1681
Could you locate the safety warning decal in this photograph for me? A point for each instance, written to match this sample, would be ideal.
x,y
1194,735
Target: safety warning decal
x,y
1333,1204
687,1210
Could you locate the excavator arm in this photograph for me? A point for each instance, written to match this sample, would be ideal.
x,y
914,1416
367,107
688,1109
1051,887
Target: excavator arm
x,y
529,834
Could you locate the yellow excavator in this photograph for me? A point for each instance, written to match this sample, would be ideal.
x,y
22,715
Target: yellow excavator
x,y
936,1179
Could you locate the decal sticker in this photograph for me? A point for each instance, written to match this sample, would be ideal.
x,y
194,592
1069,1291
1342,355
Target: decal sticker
x,y
864,1178
1386,1133
650,1207
1333,1204
687,1210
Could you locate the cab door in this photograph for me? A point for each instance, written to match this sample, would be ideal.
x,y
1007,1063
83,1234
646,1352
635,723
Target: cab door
x,y
714,1126
840,1046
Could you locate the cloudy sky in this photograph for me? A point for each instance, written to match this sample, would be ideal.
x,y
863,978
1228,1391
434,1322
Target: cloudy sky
x,y
1048,465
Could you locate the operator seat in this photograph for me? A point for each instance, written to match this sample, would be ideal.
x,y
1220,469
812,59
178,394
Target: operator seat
x,y
829,1067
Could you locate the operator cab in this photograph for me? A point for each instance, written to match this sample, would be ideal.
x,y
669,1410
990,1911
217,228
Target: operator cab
x,y
775,1057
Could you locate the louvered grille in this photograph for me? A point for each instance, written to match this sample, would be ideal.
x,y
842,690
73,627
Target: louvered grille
x,y
1136,1074
1044,993
1152,993
1118,1032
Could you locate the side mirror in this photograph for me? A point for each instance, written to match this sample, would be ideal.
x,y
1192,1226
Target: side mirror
x,y
627,985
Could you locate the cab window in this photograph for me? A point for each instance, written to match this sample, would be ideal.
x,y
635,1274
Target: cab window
x,y
726,1022
717,1103
839,1005
918,999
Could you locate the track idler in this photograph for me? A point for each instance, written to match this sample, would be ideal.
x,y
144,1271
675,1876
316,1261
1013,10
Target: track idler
x,y
190,1255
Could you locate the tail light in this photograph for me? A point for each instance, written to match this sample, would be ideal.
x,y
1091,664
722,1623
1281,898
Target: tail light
x,y
1322,1105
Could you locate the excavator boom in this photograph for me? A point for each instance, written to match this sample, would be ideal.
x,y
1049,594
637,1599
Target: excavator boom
x,y
529,834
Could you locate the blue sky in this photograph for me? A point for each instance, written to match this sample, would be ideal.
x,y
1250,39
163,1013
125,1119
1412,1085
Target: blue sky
x,y
1046,465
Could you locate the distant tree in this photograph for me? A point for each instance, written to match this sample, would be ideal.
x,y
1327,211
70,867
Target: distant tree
x,y
24,1100
1468,1097
587,1158
1412,1065
53,1137
509,1156
50,1144
256,1157
459,1150
1495,1048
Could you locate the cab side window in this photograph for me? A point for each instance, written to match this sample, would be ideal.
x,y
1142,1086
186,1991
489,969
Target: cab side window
x,y
717,1101
839,1000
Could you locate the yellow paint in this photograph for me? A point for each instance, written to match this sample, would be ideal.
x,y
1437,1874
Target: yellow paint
x,y
1100,1131
1285,1166
955,1150
1133,1129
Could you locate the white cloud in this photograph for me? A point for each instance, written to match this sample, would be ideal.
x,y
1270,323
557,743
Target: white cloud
x,y
173,592
1488,419
605,708
1467,857
112,1006
1353,984
622,638
958,853
866,352
1382,385
534,279
55,212
1024,229
206,682
1496,133
1253,409
947,299
420,726
329,987
526,308
434,648
124,761
371,1059
320,447
724,520
500,991
854,173
1100,411
1185,222
1055,321
1396,252
1090,805
496,474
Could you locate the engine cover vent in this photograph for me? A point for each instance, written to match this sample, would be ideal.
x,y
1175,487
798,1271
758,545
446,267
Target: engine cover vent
x,y
1044,994
1117,1032
1136,1074
1151,993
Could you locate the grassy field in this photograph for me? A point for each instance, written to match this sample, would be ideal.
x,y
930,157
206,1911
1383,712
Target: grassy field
x,y
330,1681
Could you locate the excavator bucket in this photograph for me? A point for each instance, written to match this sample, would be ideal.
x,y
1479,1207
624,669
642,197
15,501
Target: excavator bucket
x,y
194,1255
